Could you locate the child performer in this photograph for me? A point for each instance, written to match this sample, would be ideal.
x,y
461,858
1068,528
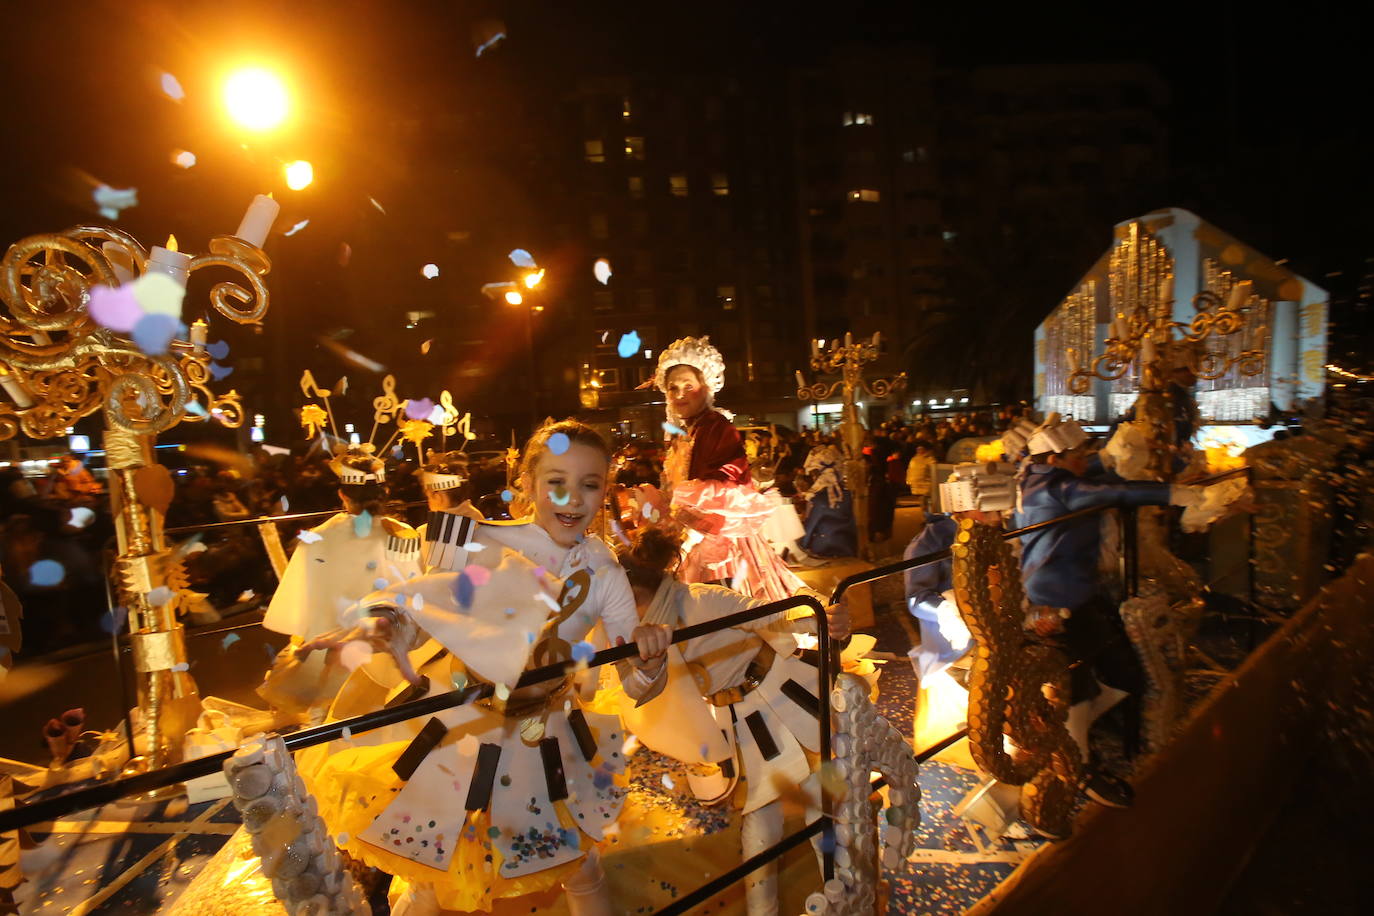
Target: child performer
x,y
760,686
507,796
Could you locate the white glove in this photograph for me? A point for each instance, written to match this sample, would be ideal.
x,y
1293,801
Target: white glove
x,y
1186,495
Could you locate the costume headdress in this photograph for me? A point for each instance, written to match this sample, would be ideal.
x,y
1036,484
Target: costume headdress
x,y
696,352
1056,435
444,470
989,487
1014,439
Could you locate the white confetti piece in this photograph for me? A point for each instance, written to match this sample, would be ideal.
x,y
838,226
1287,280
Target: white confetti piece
x,y
309,537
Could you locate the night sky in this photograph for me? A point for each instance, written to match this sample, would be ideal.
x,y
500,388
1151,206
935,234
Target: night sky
x,y
1266,122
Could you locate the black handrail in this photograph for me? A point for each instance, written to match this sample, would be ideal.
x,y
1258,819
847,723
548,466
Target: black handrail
x,y
49,809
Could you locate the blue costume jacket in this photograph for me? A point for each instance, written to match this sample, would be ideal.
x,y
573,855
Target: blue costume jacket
x,y
1059,563
924,593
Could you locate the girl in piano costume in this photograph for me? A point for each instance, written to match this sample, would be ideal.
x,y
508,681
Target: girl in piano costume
x,y
507,796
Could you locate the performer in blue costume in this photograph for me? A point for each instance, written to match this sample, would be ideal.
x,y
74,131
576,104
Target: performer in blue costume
x,y
1059,572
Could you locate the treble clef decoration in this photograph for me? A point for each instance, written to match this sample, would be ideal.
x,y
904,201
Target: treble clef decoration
x,y
553,648
385,406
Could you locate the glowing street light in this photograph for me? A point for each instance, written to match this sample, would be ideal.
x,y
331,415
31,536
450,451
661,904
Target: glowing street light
x,y
299,174
256,99
513,297
534,278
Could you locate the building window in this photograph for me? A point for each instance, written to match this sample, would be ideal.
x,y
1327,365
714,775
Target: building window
x,y
720,184
599,226
603,300
625,108
866,195
596,151
609,378
725,295
644,298
634,148
636,186
857,119
677,185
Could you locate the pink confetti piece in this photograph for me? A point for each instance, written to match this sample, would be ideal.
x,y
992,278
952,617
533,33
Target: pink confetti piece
x,y
115,307
479,575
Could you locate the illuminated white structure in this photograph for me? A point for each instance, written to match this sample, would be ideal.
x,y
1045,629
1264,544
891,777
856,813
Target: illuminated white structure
x,y
1286,317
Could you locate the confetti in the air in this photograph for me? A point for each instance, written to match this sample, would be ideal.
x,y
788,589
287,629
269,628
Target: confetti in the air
x,y
80,516
502,692
159,294
673,430
629,344
45,573
507,496
345,254
463,588
153,333
194,406
112,201
429,271
113,619
559,443
380,208
602,271
417,601
218,372
181,666
424,347
668,782
285,504
184,158
559,496
247,595
362,524
171,87
218,350
115,307
297,228
583,652
378,584
228,640
522,258
160,595
419,409
479,575
309,537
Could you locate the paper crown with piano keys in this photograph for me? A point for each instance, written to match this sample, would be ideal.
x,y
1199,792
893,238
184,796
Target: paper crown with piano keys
x,y
984,487
444,470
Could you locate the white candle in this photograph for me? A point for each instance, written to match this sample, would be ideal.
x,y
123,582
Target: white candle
x,y
1147,352
257,222
877,335
200,332
169,261
1073,360
121,262
801,379
1240,294
1166,290
15,389
848,339
815,347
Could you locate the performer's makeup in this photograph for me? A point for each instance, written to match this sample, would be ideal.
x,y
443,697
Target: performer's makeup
x,y
686,393
568,490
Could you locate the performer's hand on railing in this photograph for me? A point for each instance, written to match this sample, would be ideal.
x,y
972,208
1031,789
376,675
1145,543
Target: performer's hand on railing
x,y
1045,621
837,619
653,641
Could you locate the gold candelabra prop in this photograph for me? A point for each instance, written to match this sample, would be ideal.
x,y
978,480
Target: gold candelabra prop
x,y
848,359
57,365
1150,340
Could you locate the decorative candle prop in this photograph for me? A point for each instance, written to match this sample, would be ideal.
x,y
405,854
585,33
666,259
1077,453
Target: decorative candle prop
x,y
257,222
199,333
169,261
15,389
121,262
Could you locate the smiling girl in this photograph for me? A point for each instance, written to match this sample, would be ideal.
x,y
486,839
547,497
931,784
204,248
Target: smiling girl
x,y
511,795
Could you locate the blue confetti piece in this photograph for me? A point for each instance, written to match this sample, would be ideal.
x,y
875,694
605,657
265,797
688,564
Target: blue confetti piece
x,y
47,572
560,500
522,258
219,372
629,345
510,612
529,637
583,651
602,779
153,332
674,430
160,595
463,589
195,408
378,584
113,619
371,564
559,443
228,640
218,350
362,524
507,496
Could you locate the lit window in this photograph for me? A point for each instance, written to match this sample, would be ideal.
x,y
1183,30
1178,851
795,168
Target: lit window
x,y
725,295
634,147
625,108
636,184
867,195
596,151
857,119
600,228
909,155
720,184
677,184
949,235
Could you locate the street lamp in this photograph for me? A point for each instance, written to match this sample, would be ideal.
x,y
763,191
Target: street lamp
x,y
256,99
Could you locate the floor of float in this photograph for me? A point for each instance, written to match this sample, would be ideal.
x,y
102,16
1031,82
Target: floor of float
x,y
137,859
